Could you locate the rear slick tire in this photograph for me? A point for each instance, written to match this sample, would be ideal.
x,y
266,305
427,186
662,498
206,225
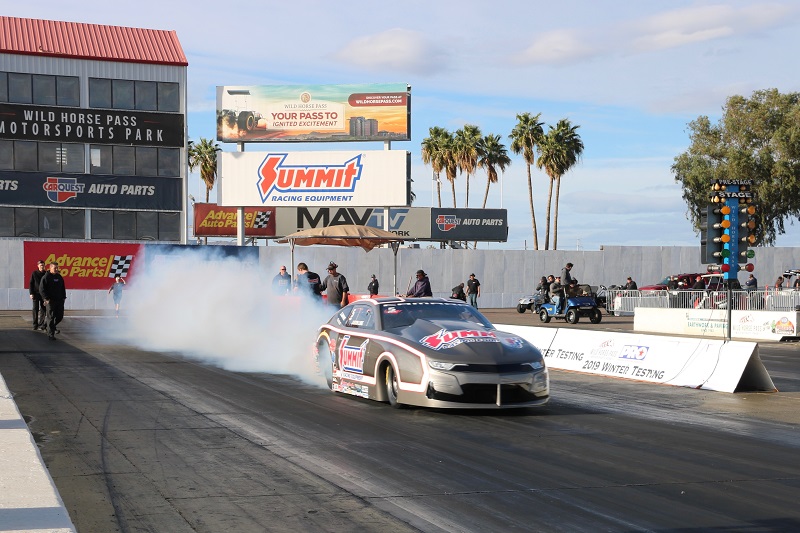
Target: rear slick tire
x,y
392,387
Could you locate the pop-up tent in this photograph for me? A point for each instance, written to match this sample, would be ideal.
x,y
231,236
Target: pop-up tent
x,y
346,235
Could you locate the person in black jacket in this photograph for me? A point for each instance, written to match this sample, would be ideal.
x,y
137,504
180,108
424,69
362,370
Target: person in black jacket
x,y
422,287
39,310
458,293
53,293
373,287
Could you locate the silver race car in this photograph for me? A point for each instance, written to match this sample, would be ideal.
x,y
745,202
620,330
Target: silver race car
x,y
428,352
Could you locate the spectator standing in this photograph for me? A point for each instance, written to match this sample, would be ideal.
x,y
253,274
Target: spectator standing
x,y
473,290
335,286
751,284
282,282
566,275
699,284
779,283
39,309
116,291
796,285
556,290
631,285
307,282
458,293
372,288
422,287
53,293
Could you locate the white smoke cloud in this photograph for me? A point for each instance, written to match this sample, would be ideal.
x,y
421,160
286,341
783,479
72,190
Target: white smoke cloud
x,y
220,311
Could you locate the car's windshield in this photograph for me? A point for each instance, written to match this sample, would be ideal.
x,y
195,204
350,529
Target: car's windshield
x,y
402,314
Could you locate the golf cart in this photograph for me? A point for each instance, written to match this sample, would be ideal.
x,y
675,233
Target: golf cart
x,y
531,302
579,303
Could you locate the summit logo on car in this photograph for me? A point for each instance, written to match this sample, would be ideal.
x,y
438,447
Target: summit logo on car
x,y
275,177
351,358
443,339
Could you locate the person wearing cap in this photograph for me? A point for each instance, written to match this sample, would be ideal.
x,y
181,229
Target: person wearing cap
x,y
39,310
335,286
372,288
699,284
473,290
631,285
422,287
282,282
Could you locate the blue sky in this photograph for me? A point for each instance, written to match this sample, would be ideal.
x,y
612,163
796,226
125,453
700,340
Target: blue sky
x,y
631,74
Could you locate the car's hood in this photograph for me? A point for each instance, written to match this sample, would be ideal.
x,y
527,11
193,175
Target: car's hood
x,y
466,342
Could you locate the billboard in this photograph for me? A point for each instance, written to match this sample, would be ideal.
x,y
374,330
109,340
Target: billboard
x,y
313,113
211,220
469,224
40,189
84,265
374,177
409,222
26,122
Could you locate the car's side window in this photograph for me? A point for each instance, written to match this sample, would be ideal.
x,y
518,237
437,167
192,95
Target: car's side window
x,y
361,317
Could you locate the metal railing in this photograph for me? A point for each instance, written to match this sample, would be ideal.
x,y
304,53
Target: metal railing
x,y
624,302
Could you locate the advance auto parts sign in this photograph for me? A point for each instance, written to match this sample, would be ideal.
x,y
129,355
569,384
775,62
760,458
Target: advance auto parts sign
x,y
84,266
212,220
37,189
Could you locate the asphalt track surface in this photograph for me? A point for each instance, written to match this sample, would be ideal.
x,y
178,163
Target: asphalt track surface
x,y
139,441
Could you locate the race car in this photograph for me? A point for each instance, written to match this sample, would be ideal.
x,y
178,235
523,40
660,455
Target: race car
x,y
428,352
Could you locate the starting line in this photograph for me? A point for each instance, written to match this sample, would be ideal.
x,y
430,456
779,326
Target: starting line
x,y
709,364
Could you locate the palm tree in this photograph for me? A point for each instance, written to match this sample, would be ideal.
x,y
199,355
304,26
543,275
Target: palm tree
x,y
433,153
467,139
559,151
492,154
525,136
203,155
449,162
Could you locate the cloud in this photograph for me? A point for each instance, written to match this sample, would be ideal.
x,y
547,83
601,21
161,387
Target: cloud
x,y
696,24
557,47
407,51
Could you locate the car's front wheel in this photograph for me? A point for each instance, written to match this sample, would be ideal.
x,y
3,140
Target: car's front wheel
x,y
521,308
392,386
543,316
596,316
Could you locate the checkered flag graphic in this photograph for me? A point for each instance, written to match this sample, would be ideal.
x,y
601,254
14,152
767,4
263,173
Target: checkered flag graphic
x,y
120,266
262,219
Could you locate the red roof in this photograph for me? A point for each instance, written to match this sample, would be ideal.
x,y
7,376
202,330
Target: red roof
x,y
90,41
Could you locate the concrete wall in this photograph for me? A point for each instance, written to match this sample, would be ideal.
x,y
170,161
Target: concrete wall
x,y
505,275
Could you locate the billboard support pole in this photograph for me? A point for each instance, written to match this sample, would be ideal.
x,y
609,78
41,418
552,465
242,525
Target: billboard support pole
x,y
240,212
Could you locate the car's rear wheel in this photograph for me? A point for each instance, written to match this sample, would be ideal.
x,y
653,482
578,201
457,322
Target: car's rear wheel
x,y
543,316
572,316
325,363
596,316
392,386
521,308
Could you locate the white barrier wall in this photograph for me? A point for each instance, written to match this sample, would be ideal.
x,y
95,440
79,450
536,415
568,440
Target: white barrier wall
x,y
756,325
683,362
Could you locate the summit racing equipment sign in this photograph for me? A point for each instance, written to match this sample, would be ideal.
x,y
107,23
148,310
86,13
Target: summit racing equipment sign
x,y
314,178
314,113
84,266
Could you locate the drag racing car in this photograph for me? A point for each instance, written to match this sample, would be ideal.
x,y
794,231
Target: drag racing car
x,y
430,352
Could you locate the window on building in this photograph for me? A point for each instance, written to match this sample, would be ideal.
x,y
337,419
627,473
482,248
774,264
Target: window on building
x,y
169,226
146,161
123,160
3,87
6,221
50,223
102,224
68,91
122,94
147,225
100,159
6,155
169,162
44,89
26,222
99,93
19,88
62,157
74,223
26,155
125,225
146,93
169,98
